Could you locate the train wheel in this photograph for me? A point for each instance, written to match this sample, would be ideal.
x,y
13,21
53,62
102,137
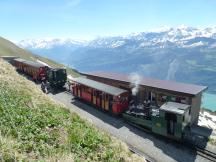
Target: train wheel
x,y
44,88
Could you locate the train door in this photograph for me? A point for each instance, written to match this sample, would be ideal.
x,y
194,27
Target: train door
x,y
106,102
91,93
79,90
171,123
98,98
94,97
102,100
75,91
77,87
110,103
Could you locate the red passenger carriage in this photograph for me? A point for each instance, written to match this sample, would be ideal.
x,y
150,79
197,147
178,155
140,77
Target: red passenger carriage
x,y
106,97
36,70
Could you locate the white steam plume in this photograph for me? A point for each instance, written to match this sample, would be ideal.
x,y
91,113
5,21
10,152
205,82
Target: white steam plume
x,y
173,67
135,81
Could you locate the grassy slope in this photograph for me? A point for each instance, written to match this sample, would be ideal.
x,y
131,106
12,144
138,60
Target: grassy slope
x,y
33,126
8,48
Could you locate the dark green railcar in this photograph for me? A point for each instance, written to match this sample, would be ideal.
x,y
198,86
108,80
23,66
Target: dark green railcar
x,y
55,79
171,120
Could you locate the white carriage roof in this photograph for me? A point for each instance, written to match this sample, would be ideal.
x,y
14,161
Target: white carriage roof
x,y
99,86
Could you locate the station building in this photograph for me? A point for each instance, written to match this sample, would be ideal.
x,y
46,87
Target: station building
x,y
158,91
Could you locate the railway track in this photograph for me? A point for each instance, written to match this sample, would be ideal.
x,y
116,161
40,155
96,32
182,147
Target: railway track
x,y
139,153
211,156
206,154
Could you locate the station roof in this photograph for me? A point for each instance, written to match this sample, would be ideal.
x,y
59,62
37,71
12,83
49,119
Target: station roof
x,y
174,107
31,63
99,86
190,89
20,60
9,57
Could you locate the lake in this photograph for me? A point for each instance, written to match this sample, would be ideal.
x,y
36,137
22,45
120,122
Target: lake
x,y
209,101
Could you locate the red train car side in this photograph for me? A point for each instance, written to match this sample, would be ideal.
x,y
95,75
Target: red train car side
x,y
36,70
106,97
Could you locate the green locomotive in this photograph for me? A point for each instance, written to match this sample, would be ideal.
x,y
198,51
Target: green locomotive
x,y
171,119
55,79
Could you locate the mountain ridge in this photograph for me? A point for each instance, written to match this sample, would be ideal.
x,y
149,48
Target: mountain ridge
x,y
8,48
181,33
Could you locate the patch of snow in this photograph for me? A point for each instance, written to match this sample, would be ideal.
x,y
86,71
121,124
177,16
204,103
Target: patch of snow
x,y
175,35
200,43
48,43
207,120
145,44
43,63
118,44
70,77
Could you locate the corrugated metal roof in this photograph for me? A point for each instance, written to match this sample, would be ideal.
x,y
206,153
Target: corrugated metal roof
x,y
174,107
9,57
31,63
20,60
99,86
190,89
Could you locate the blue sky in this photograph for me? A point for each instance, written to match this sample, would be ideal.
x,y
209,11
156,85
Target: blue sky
x,y
87,19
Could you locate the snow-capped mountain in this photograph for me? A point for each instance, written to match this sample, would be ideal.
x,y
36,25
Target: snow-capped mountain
x,y
56,49
180,36
182,53
48,43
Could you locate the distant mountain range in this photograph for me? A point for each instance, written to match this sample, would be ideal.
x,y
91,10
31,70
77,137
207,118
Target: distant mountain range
x,y
183,54
8,48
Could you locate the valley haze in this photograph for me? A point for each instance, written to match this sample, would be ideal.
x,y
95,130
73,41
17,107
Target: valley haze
x,y
184,54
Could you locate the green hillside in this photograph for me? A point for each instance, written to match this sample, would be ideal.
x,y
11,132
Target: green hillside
x,y
8,48
33,127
